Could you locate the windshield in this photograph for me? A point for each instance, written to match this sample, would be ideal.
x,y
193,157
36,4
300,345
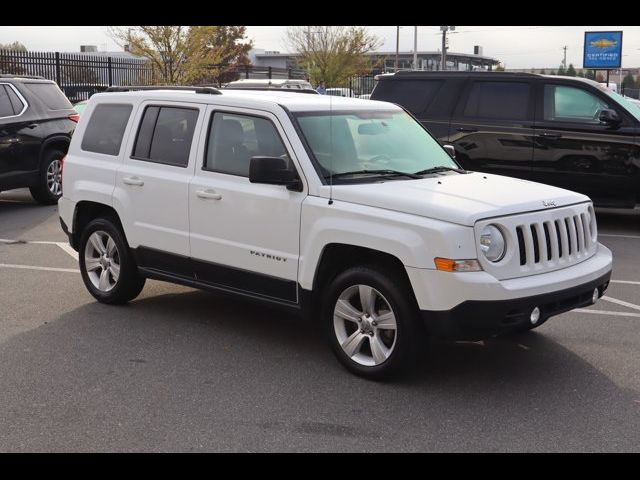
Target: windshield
x,y
632,108
371,140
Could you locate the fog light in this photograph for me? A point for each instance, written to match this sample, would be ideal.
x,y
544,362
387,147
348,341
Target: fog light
x,y
535,316
595,296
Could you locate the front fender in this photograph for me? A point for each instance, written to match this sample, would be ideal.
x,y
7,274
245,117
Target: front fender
x,y
413,240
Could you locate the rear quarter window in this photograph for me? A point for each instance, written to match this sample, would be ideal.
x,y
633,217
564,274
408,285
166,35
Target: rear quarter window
x,y
50,95
106,127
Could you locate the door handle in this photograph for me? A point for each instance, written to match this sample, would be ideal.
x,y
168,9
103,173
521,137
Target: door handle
x,y
133,181
33,125
549,135
208,194
467,130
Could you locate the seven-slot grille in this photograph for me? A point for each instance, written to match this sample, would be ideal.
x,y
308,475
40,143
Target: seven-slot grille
x,y
563,238
542,241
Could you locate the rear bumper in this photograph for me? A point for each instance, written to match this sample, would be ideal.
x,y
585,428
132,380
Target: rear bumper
x,y
479,319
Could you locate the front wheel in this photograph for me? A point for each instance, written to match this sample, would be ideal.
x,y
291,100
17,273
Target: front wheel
x,y
107,267
372,322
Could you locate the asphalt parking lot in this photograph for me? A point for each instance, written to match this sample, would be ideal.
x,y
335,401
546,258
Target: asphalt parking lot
x,y
184,370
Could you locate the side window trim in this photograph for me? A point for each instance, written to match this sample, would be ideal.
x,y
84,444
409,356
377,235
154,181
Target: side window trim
x,y
205,153
160,106
25,105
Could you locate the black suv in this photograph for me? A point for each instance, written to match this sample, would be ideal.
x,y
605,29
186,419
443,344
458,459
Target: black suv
x,y
565,131
36,124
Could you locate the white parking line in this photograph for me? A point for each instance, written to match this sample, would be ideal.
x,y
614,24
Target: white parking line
x,y
18,242
637,237
68,249
606,312
621,302
33,267
629,282
63,245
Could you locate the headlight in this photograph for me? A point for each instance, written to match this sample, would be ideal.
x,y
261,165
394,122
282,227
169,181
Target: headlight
x,y
492,243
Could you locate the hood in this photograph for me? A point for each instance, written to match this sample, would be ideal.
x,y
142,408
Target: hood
x,y
458,198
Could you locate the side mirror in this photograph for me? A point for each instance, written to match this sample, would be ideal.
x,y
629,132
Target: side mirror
x,y
609,117
450,150
273,171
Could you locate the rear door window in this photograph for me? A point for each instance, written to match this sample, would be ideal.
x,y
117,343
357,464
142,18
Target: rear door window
x,y
50,95
414,95
16,103
165,135
106,128
498,101
6,109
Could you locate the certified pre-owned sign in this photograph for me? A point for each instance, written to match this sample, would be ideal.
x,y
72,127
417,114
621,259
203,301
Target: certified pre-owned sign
x,y
602,50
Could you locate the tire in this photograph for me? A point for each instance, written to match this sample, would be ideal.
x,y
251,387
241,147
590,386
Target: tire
x,y
99,272
49,187
391,294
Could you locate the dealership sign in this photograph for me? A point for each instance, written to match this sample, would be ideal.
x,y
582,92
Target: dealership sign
x,y
602,50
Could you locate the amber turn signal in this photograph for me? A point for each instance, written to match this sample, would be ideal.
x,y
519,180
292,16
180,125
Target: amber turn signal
x,y
448,265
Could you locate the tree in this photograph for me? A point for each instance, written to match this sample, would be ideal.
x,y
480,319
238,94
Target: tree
x,y
543,72
591,74
8,61
580,73
215,52
571,71
15,46
500,68
332,54
561,70
600,77
166,48
552,72
628,81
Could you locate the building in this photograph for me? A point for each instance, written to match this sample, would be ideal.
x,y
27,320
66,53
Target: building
x,y
385,61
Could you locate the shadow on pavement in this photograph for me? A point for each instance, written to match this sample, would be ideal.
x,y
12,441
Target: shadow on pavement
x,y
195,371
22,218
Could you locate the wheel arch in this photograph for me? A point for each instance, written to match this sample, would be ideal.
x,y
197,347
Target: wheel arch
x,y
338,257
56,142
87,210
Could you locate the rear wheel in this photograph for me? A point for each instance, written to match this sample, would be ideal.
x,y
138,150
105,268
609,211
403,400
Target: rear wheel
x,y
372,323
49,188
107,267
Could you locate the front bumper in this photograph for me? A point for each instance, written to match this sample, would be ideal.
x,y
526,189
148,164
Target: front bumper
x,y
475,305
478,319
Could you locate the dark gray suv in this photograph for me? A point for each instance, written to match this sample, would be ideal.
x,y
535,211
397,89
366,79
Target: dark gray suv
x,y
564,131
36,124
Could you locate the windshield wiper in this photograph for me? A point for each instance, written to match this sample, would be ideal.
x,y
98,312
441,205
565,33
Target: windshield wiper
x,y
374,172
440,169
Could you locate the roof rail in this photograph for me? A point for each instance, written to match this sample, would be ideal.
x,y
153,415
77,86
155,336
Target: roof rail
x,y
134,88
34,77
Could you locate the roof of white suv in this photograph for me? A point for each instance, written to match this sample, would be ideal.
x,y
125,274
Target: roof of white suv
x,y
256,98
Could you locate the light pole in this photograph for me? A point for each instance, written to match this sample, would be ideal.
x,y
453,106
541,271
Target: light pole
x,y
397,48
445,29
415,48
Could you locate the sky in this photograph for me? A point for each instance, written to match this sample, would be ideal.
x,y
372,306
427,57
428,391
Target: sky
x,y
516,47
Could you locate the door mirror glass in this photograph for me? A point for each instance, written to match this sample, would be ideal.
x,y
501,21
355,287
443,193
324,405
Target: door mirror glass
x,y
609,117
273,171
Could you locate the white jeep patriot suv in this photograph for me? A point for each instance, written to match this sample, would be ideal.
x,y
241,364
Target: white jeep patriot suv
x,y
345,210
